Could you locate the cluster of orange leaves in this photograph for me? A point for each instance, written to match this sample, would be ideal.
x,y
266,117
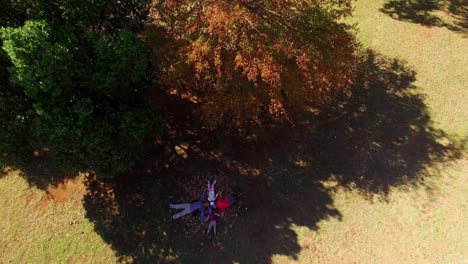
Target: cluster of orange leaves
x,y
248,59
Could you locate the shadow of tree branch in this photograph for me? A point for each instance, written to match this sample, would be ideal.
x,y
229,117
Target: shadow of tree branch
x,y
377,136
422,12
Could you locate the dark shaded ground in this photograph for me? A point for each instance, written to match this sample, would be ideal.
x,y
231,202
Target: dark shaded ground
x,y
378,136
419,11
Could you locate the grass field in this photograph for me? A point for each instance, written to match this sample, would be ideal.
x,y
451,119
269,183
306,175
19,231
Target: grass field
x,y
34,230
388,184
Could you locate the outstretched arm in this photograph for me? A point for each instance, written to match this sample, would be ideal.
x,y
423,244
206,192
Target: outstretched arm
x,y
202,196
202,214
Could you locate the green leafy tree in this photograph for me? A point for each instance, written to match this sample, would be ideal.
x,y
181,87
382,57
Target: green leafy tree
x,y
88,15
78,97
95,15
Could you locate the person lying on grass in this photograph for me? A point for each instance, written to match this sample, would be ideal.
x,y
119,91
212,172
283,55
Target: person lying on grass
x,y
211,191
213,221
188,208
223,203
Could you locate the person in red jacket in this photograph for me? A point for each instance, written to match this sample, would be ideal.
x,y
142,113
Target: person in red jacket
x,y
223,203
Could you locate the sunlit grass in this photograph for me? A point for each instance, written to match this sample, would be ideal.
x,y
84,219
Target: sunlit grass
x,y
31,233
414,226
437,54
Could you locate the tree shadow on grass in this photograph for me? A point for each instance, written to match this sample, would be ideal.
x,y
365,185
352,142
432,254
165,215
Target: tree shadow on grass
x,y
386,138
40,172
424,12
378,136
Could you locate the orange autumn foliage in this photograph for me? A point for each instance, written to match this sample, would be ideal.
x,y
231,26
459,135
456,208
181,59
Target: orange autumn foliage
x,y
251,59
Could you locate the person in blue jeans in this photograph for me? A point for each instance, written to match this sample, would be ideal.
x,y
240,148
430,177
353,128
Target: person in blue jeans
x,y
188,208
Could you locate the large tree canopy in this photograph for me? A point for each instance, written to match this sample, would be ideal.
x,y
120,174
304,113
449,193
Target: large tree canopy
x,y
73,89
251,57
76,69
96,15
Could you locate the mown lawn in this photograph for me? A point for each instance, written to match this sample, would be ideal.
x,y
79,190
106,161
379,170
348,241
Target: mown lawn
x,y
395,193
436,53
36,230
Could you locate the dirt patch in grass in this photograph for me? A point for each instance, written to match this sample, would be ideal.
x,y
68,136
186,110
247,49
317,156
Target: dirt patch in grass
x,y
70,190
31,197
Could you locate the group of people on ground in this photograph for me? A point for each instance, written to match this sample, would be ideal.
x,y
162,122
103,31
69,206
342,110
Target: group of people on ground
x,y
214,204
